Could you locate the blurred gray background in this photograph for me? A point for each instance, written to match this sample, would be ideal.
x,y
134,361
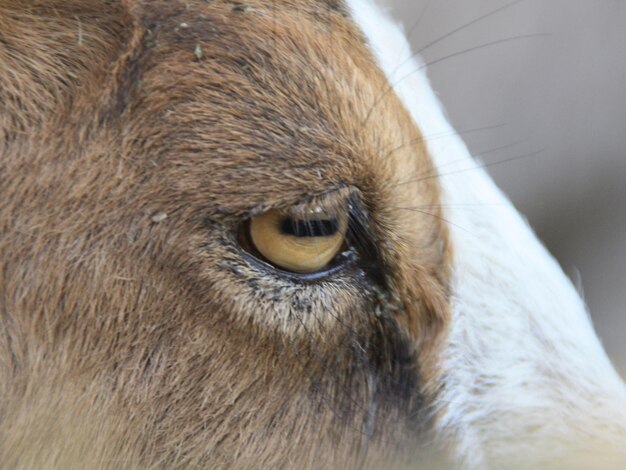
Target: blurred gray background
x,y
562,91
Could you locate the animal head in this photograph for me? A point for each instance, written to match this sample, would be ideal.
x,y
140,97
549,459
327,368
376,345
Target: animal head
x,y
232,237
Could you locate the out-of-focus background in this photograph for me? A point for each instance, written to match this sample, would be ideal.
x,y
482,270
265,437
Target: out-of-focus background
x,y
559,86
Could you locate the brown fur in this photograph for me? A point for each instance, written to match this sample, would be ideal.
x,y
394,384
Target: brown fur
x,y
133,340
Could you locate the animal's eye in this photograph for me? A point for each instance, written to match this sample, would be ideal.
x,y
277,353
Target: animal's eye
x,y
303,241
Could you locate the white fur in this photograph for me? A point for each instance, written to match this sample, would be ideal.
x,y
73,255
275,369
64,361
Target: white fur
x,y
526,379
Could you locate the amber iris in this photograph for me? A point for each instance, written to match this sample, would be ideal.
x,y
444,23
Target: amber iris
x,y
304,242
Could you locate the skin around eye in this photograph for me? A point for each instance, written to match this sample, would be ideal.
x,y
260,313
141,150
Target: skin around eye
x,y
304,243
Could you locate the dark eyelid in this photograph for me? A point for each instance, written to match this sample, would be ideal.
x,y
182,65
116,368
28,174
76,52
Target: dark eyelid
x,y
296,277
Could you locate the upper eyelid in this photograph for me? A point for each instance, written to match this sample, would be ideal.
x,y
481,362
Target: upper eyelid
x,y
287,204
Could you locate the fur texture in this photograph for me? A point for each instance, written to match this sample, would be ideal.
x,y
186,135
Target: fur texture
x,y
135,332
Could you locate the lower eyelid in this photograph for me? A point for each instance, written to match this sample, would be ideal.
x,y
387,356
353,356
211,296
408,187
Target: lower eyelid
x,y
299,277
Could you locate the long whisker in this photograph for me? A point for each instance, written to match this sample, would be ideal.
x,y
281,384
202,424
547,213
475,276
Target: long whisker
x,y
436,216
473,168
436,206
482,46
440,135
392,86
479,154
419,20
452,33
461,160
466,25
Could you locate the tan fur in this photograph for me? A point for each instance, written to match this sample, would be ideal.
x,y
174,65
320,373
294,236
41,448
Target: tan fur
x,y
135,140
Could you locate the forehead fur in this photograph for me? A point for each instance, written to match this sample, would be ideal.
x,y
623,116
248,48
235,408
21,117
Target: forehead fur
x,y
233,89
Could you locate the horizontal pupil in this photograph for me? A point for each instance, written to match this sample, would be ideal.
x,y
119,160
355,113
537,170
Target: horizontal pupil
x,y
309,228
